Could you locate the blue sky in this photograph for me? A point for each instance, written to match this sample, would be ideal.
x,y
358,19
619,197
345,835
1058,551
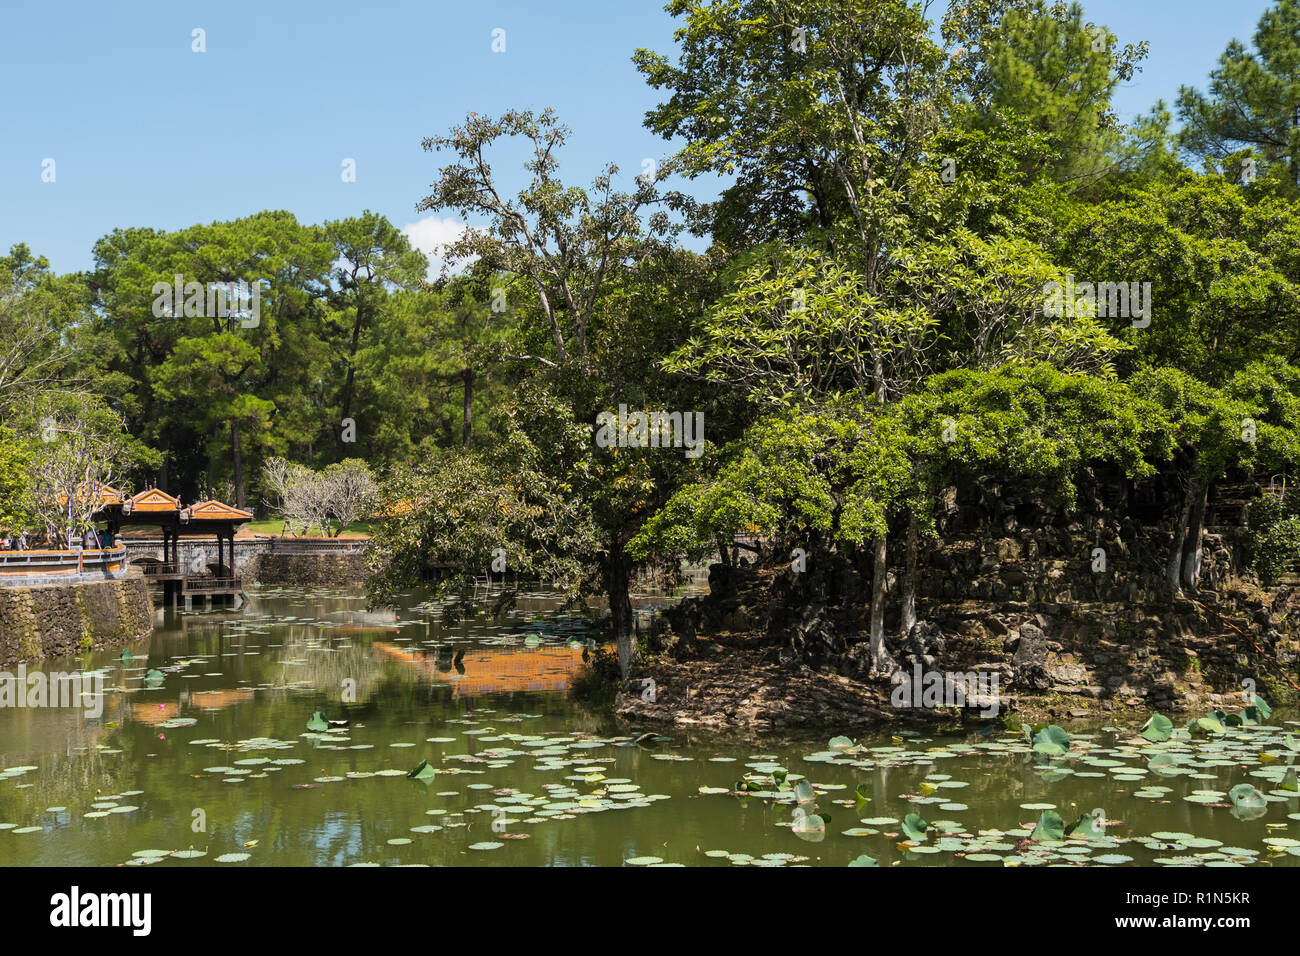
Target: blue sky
x,y
145,132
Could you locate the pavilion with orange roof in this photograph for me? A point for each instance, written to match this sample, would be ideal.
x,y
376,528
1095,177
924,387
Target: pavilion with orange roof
x,y
154,507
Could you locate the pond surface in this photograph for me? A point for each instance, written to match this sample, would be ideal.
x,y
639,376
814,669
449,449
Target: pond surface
x,y
203,755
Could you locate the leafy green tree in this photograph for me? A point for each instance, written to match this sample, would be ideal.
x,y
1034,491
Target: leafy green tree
x,y
1273,542
268,376
849,472
38,316
16,514
1222,331
574,264
820,109
406,376
1047,64
1253,102
468,350
511,504
1222,267
801,333
213,376
372,257
822,479
566,243
1252,422
797,329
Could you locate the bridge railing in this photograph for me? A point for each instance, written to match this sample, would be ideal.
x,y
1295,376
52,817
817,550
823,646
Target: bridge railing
x,y
318,545
14,564
57,559
201,584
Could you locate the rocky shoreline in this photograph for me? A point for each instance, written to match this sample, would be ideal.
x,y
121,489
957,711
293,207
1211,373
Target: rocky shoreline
x,y
741,659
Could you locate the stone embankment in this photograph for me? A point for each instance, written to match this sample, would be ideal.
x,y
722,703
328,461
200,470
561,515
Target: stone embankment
x,y
269,559
311,570
66,619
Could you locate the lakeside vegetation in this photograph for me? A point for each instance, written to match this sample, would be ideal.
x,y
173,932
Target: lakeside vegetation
x,y
938,259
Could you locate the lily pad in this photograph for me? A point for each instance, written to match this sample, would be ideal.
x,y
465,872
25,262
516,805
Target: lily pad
x,y
1244,796
1050,827
1157,729
914,826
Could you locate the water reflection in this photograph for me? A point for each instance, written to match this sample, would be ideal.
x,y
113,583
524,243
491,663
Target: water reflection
x,y
492,672
520,775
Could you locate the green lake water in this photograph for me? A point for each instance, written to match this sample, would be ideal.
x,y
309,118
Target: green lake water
x,y
210,761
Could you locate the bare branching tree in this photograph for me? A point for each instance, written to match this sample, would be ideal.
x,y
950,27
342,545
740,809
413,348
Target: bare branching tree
x,y
308,499
351,490
82,452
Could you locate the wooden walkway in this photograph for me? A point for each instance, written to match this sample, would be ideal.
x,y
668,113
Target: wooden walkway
x,y
180,582
180,586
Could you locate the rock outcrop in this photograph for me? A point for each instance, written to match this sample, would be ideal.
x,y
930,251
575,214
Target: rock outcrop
x,y
1071,610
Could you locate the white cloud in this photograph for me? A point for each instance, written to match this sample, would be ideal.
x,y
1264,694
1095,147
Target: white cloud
x,y
431,235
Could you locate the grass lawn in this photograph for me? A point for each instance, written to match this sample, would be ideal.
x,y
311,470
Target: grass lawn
x,y
274,525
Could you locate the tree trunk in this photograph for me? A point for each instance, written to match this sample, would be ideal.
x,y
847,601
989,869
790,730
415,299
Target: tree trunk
x,y
909,577
237,458
1193,547
848,576
618,582
1175,568
349,383
468,378
882,665
723,552
165,448
345,412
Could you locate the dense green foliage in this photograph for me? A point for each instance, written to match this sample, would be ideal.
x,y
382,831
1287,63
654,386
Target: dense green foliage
x,y
1274,538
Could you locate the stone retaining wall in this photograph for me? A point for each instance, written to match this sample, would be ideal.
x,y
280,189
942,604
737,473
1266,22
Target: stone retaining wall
x,y
308,570
67,619
257,560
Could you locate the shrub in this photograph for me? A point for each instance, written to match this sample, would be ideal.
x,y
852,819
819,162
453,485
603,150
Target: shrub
x,y
598,682
1273,536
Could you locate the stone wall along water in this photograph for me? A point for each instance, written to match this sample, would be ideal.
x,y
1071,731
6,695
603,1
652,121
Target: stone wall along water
x,y
67,619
